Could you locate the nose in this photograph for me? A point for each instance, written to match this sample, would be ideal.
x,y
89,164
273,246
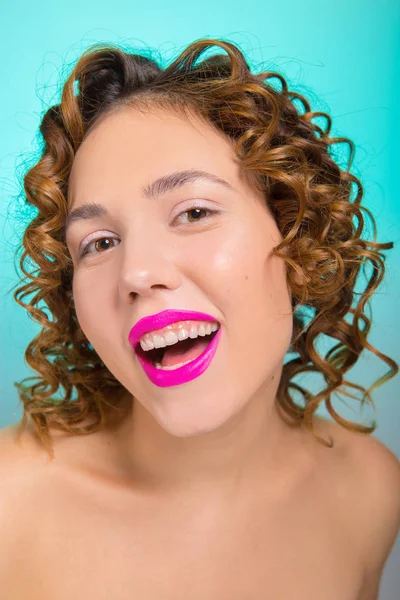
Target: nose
x,y
147,265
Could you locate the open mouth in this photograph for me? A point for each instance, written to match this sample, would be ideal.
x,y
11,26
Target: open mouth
x,y
176,355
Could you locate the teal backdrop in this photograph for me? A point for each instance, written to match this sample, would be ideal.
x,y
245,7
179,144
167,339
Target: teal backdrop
x,y
342,55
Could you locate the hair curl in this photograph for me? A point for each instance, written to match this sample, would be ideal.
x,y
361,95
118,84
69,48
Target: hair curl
x,y
287,157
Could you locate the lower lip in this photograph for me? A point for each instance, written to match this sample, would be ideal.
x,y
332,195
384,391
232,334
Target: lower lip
x,y
185,373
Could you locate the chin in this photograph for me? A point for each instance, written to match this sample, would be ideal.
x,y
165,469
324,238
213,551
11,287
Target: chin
x,y
194,417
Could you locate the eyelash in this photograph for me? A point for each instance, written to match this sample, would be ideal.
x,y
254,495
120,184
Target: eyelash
x,y
93,241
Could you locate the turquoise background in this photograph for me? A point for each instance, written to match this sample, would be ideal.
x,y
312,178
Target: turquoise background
x,y
342,55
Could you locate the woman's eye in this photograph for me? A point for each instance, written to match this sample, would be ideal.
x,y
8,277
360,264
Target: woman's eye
x,y
98,242
197,212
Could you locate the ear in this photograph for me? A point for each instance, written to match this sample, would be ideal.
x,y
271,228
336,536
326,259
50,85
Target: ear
x,y
299,278
304,274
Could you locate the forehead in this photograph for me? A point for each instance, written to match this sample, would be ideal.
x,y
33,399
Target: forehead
x,y
130,144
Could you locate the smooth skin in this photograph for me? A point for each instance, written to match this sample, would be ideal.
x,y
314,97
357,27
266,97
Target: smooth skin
x,y
204,490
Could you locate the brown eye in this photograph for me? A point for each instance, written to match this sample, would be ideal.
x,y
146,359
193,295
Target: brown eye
x,y
104,243
196,214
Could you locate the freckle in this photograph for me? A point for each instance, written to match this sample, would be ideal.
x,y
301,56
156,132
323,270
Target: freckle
x,y
246,278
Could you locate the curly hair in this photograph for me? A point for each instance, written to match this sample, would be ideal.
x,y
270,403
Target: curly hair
x,y
286,156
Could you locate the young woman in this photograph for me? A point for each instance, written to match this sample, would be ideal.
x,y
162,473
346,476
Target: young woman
x,y
192,231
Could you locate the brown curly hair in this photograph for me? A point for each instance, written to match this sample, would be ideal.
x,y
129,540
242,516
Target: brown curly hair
x,y
287,157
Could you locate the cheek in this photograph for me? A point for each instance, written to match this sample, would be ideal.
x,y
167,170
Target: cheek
x,y
240,268
92,302
225,264
250,290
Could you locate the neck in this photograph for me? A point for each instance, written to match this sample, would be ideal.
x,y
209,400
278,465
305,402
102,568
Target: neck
x,y
253,446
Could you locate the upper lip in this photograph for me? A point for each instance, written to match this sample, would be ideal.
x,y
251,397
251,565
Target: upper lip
x,y
162,319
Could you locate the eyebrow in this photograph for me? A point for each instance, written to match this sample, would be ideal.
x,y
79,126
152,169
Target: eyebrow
x,y
156,189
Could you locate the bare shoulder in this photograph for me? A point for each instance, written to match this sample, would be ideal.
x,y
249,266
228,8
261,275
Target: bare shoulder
x,y
23,462
373,483
20,460
16,478
379,505
376,469
17,450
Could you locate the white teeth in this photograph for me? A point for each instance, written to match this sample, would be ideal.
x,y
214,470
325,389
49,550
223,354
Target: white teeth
x,y
149,345
150,342
183,334
159,341
171,338
158,366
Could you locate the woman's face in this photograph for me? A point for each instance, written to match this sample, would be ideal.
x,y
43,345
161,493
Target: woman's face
x,y
152,256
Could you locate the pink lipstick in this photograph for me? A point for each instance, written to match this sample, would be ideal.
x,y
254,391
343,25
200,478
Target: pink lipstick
x,y
185,373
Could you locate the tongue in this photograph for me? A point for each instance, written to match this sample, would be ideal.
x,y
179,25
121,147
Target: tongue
x,y
183,351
